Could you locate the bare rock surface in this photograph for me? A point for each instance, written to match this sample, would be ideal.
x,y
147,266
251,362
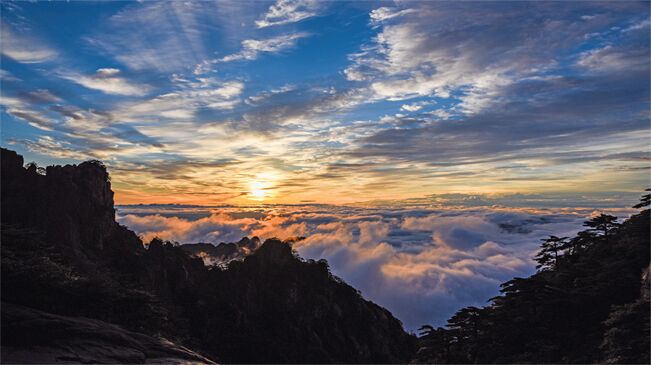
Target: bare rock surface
x,y
36,337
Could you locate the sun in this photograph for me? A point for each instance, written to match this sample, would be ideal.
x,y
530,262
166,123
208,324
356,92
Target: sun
x,y
257,190
261,188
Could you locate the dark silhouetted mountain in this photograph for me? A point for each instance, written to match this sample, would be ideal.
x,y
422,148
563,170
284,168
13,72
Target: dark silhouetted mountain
x,y
309,315
63,255
71,205
587,304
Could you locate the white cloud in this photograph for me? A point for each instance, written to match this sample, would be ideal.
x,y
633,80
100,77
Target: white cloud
x,y
414,107
268,94
107,80
643,24
185,101
384,13
288,11
251,48
445,50
162,36
7,76
22,48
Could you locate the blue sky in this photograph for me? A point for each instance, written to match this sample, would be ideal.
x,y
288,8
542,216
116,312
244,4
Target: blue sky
x,y
294,101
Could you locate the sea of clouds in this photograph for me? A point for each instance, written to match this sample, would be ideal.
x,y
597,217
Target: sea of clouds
x,y
421,261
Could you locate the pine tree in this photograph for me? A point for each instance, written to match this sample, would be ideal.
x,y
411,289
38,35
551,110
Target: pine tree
x,y
550,251
603,223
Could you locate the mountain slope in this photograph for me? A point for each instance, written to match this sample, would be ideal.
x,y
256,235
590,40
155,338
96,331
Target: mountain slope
x,y
64,254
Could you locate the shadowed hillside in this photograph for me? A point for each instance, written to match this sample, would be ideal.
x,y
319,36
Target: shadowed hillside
x,y
64,256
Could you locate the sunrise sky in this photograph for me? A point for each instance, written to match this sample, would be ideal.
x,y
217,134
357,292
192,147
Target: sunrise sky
x,y
237,102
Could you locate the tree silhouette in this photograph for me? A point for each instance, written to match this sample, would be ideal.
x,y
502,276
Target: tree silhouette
x,y
645,201
602,223
582,240
465,324
548,255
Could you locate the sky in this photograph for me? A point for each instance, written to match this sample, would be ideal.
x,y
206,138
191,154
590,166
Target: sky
x,y
298,102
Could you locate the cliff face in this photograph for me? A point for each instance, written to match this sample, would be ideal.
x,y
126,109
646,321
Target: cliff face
x,y
64,254
72,205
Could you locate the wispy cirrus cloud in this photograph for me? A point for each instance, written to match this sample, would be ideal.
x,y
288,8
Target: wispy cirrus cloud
x,y
109,81
23,48
164,36
185,100
251,48
289,11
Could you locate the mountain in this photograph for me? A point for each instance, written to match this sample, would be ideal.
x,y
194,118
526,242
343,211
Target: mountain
x,y
588,303
68,267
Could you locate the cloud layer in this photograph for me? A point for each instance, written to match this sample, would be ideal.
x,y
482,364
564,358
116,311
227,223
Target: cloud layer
x,y
421,263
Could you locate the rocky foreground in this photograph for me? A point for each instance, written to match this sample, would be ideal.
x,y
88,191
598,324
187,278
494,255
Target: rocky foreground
x,y
36,337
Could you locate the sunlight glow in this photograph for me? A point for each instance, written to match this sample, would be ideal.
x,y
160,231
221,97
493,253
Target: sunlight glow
x,y
257,191
261,187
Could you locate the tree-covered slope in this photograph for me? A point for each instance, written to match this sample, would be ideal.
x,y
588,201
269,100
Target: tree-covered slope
x,y
587,303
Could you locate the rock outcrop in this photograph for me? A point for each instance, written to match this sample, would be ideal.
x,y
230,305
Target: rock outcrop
x,y
35,337
72,205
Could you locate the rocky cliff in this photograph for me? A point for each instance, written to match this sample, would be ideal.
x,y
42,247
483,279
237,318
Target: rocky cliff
x,y
72,205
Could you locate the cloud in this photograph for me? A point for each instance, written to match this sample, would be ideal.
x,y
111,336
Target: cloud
x,y
451,50
189,97
22,48
423,263
82,133
164,37
47,145
643,24
108,80
7,76
543,118
216,228
288,11
385,13
611,58
251,48
414,107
